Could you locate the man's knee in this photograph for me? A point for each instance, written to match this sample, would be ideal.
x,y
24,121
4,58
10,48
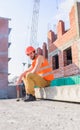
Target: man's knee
x,y
29,75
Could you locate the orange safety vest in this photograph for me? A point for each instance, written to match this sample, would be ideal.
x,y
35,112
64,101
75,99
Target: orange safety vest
x,y
45,70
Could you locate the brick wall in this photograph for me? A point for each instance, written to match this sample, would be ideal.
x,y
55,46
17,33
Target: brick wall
x,y
64,39
3,57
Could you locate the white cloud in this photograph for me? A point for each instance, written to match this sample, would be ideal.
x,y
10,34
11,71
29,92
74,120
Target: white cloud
x,y
63,10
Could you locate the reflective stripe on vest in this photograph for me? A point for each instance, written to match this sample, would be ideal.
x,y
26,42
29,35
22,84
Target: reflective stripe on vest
x,y
45,67
48,73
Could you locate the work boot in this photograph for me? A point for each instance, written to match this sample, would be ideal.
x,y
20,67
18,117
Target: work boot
x,y
29,97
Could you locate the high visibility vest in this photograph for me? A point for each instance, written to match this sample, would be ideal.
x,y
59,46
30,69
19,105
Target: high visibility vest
x,y
45,70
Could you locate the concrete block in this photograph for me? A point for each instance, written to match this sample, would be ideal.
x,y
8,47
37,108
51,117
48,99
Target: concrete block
x,y
12,92
63,93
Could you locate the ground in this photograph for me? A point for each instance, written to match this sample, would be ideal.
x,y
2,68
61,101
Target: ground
x,y
39,115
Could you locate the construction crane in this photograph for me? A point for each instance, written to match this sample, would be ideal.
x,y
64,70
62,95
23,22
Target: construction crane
x,y
34,25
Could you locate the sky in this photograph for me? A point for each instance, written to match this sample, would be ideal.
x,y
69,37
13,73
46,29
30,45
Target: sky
x,y
20,13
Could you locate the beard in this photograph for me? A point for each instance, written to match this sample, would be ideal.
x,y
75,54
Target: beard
x,y
32,58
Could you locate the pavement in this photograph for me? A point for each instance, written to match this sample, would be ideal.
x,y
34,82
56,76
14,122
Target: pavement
x,y
39,115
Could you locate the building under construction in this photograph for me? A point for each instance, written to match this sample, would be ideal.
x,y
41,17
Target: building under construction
x,y
62,51
64,47
4,45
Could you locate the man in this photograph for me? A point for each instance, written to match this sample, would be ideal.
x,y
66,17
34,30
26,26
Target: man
x,y
38,74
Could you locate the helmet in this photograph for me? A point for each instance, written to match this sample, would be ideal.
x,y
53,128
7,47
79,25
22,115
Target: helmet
x,y
29,49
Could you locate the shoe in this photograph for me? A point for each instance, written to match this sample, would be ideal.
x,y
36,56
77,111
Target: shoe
x,y
29,97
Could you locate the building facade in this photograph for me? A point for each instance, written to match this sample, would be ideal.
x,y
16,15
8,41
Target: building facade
x,y
64,47
4,33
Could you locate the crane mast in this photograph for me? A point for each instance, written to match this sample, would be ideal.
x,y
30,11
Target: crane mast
x,y
34,25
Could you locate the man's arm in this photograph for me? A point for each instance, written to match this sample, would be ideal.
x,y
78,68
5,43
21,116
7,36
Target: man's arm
x,y
39,61
23,75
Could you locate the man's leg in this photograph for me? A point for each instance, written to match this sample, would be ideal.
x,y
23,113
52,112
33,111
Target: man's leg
x,y
31,80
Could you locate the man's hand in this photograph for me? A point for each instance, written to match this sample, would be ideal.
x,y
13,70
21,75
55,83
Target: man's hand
x,y
19,81
23,75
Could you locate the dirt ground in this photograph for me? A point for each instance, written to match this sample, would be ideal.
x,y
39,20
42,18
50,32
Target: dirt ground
x,y
39,115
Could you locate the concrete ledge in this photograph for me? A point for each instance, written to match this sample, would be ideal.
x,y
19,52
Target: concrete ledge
x,y
61,93
12,91
64,93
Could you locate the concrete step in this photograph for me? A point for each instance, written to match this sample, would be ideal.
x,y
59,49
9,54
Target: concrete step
x,y
63,93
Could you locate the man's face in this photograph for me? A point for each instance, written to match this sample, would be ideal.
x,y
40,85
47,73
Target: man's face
x,y
32,55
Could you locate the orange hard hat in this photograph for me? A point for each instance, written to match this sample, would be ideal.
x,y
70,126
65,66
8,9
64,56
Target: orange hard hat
x,y
29,49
